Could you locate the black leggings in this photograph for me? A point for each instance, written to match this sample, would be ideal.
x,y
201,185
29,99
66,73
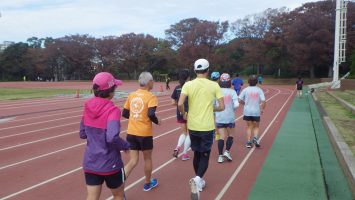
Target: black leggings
x,y
200,162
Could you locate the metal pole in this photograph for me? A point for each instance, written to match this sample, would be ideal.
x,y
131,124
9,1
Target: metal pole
x,y
336,42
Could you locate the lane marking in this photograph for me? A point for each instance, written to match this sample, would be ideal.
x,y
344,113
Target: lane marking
x,y
37,130
77,169
52,120
57,136
65,174
240,167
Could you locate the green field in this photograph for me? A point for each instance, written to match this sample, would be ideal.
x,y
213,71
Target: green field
x,y
16,93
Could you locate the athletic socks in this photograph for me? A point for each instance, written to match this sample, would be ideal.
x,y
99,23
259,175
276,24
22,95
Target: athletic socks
x,y
229,143
187,143
181,140
220,146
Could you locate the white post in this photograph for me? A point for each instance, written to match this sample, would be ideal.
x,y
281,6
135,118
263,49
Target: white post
x,y
336,43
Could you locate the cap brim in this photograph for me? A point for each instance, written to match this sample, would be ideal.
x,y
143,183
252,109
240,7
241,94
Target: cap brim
x,y
118,82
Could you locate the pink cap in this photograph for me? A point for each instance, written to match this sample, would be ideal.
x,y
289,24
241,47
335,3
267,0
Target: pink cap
x,y
105,80
225,77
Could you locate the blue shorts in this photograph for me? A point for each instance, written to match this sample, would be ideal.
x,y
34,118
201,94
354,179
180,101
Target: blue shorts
x,y
230,125
237,91
201,141
251,118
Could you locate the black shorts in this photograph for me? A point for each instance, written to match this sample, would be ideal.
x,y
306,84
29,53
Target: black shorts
x,y
201,141
251,118
299,88
230,125
140,143
112,181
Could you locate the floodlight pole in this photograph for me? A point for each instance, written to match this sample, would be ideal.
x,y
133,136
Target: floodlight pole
x,y
339,40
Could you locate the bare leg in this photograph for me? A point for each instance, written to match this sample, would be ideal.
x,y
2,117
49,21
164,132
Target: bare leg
x,y
118,193
94,192
133,161
256,129
250,126
148,165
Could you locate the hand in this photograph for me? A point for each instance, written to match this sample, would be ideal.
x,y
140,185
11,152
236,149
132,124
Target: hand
x,y
262,111
159,122
185,116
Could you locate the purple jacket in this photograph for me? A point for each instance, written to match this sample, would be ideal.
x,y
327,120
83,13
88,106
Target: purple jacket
x,y
100,126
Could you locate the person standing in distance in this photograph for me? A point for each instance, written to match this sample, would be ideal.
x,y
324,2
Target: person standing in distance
x,y
200,120
237,84
140,109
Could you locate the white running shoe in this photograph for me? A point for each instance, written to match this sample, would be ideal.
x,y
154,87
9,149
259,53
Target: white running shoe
x,y
220,159
195,191
227,155
202,184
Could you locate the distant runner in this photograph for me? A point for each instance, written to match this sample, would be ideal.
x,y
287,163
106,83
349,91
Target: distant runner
x,y
253,99
299,87
237,84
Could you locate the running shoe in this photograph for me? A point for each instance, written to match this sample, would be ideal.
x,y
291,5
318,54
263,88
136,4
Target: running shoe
x,y
195,192
176,151
148,186
256,142
185,157
249,144
202,184
220,159
227,155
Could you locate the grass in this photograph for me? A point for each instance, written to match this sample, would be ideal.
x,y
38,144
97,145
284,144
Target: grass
x,y
348,96
16,93
343,119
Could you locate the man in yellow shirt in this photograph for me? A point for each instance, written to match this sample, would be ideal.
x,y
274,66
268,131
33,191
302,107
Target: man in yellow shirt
x,y
140,109
200,120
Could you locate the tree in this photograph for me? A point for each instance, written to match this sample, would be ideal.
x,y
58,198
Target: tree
x,y
196,38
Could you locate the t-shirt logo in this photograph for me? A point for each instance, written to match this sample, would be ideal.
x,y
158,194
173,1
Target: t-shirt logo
x,y
136,106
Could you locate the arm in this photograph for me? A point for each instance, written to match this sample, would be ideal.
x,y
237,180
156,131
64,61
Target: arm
x,y
220,100
241,98
125,113
181,101
113,131
235,100
152,116
82,130
263,102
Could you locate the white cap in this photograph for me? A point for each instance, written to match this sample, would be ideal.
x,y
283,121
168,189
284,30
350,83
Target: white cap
x,y
201,64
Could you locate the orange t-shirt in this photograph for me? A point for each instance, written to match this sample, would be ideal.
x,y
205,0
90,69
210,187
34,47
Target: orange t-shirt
x,y
138,103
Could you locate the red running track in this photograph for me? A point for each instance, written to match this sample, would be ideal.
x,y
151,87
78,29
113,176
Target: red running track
x,y
41,154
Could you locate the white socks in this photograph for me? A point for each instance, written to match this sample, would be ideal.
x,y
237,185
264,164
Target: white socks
x,y
187,144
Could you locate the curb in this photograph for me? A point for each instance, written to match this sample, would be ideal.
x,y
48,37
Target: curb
x,y
342,102
342,150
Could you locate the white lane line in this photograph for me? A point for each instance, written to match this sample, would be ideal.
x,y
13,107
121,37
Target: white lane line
x,y
50,115
41,156
38,102
16,102
171,160
240,167
63,125
41,183
6,120
65,174
42,122
57,177
57,136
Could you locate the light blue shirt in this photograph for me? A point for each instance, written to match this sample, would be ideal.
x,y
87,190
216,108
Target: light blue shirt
x,y
252,96
230,98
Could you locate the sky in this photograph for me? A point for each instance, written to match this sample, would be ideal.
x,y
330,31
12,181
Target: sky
x,y
22,19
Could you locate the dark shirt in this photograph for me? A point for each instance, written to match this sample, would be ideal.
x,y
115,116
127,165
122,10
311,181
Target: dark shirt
x,y
176,95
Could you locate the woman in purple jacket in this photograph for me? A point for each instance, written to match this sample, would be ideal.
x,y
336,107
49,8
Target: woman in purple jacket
x,y
100,126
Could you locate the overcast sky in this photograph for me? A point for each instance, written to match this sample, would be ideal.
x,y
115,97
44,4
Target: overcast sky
x,y
21,19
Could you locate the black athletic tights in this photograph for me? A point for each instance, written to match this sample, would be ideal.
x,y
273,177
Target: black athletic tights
x,y
201,162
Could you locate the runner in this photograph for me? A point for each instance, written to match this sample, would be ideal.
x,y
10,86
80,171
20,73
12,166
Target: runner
x,y
260,79
225,120
140,109
299,87
167,81
184,138
200,93
237,83
253,99
215,77
100,126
